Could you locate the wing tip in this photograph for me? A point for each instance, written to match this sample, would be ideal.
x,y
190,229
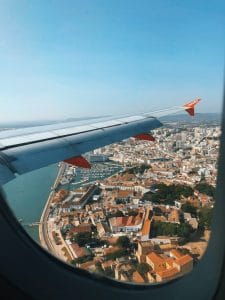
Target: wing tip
x,y
190,106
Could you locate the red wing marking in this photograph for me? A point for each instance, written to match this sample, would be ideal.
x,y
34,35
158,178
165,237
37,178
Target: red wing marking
x,y
190,107
145,137
78,161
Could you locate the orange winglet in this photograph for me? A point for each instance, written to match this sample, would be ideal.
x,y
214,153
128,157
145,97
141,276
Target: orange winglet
x,y
78,161
190,107
145,137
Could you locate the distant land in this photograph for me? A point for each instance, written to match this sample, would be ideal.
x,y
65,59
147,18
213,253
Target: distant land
x,y
208,118
181,118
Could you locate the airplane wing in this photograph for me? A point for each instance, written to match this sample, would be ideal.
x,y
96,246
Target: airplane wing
x,y
24,150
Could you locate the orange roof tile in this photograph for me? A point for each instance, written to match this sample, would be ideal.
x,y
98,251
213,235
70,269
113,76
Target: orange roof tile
x,y
110,250
113,240
171,272
137,219
126,221
83,227
184,260
147,213
146,228
155,258
124,193
107,264
130,221
137,277
78,251
177,254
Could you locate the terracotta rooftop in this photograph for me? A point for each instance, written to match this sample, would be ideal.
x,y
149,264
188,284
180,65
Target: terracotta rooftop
x,y
171,272
130,220
147,213
155,258
175,253
110,250
184,260
124,193
84,227
126,221
137,277
146,228
107,264
113,239
79,251
165,247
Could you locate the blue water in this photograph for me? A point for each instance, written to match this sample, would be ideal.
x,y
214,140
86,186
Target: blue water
x,y
28,194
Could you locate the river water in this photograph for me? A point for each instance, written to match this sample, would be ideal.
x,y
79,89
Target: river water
x,y
27,194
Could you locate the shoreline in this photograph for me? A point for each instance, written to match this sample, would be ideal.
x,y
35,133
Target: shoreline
x,y
43,234
41,229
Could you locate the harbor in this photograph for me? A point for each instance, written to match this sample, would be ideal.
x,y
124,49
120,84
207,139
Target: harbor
x,y
71,178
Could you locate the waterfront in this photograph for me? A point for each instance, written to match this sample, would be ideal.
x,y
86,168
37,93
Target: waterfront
x,y
128,220
27,194
158,209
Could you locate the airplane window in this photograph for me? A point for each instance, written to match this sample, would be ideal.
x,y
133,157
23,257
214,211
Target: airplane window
x,y
141,214
130,195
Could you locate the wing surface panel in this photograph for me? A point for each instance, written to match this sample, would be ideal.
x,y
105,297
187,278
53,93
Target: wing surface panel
x,y
27,149
33,156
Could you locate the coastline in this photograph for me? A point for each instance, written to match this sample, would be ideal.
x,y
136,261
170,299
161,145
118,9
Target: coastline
x,y
44,239
42,232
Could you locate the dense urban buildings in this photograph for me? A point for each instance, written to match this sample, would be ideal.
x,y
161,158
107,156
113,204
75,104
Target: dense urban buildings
x,y
150,220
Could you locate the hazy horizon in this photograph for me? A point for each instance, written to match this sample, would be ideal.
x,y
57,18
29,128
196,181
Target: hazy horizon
x,y
40,122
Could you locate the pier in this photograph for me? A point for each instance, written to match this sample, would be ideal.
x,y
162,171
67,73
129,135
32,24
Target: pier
x,y
32,224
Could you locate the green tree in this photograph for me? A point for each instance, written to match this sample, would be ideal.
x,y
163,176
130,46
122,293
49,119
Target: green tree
x,y
157,211
109,273
167,194
123,242
143,268
116,254
205,217
82,238
118,213
132,213
206,188
99,268
187,207
171,229
184,230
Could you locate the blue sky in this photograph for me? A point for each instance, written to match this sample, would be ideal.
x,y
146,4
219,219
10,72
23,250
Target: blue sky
x,y
61,59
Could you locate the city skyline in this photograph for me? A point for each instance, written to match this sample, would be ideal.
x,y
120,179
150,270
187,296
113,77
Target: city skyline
x,y
90,59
